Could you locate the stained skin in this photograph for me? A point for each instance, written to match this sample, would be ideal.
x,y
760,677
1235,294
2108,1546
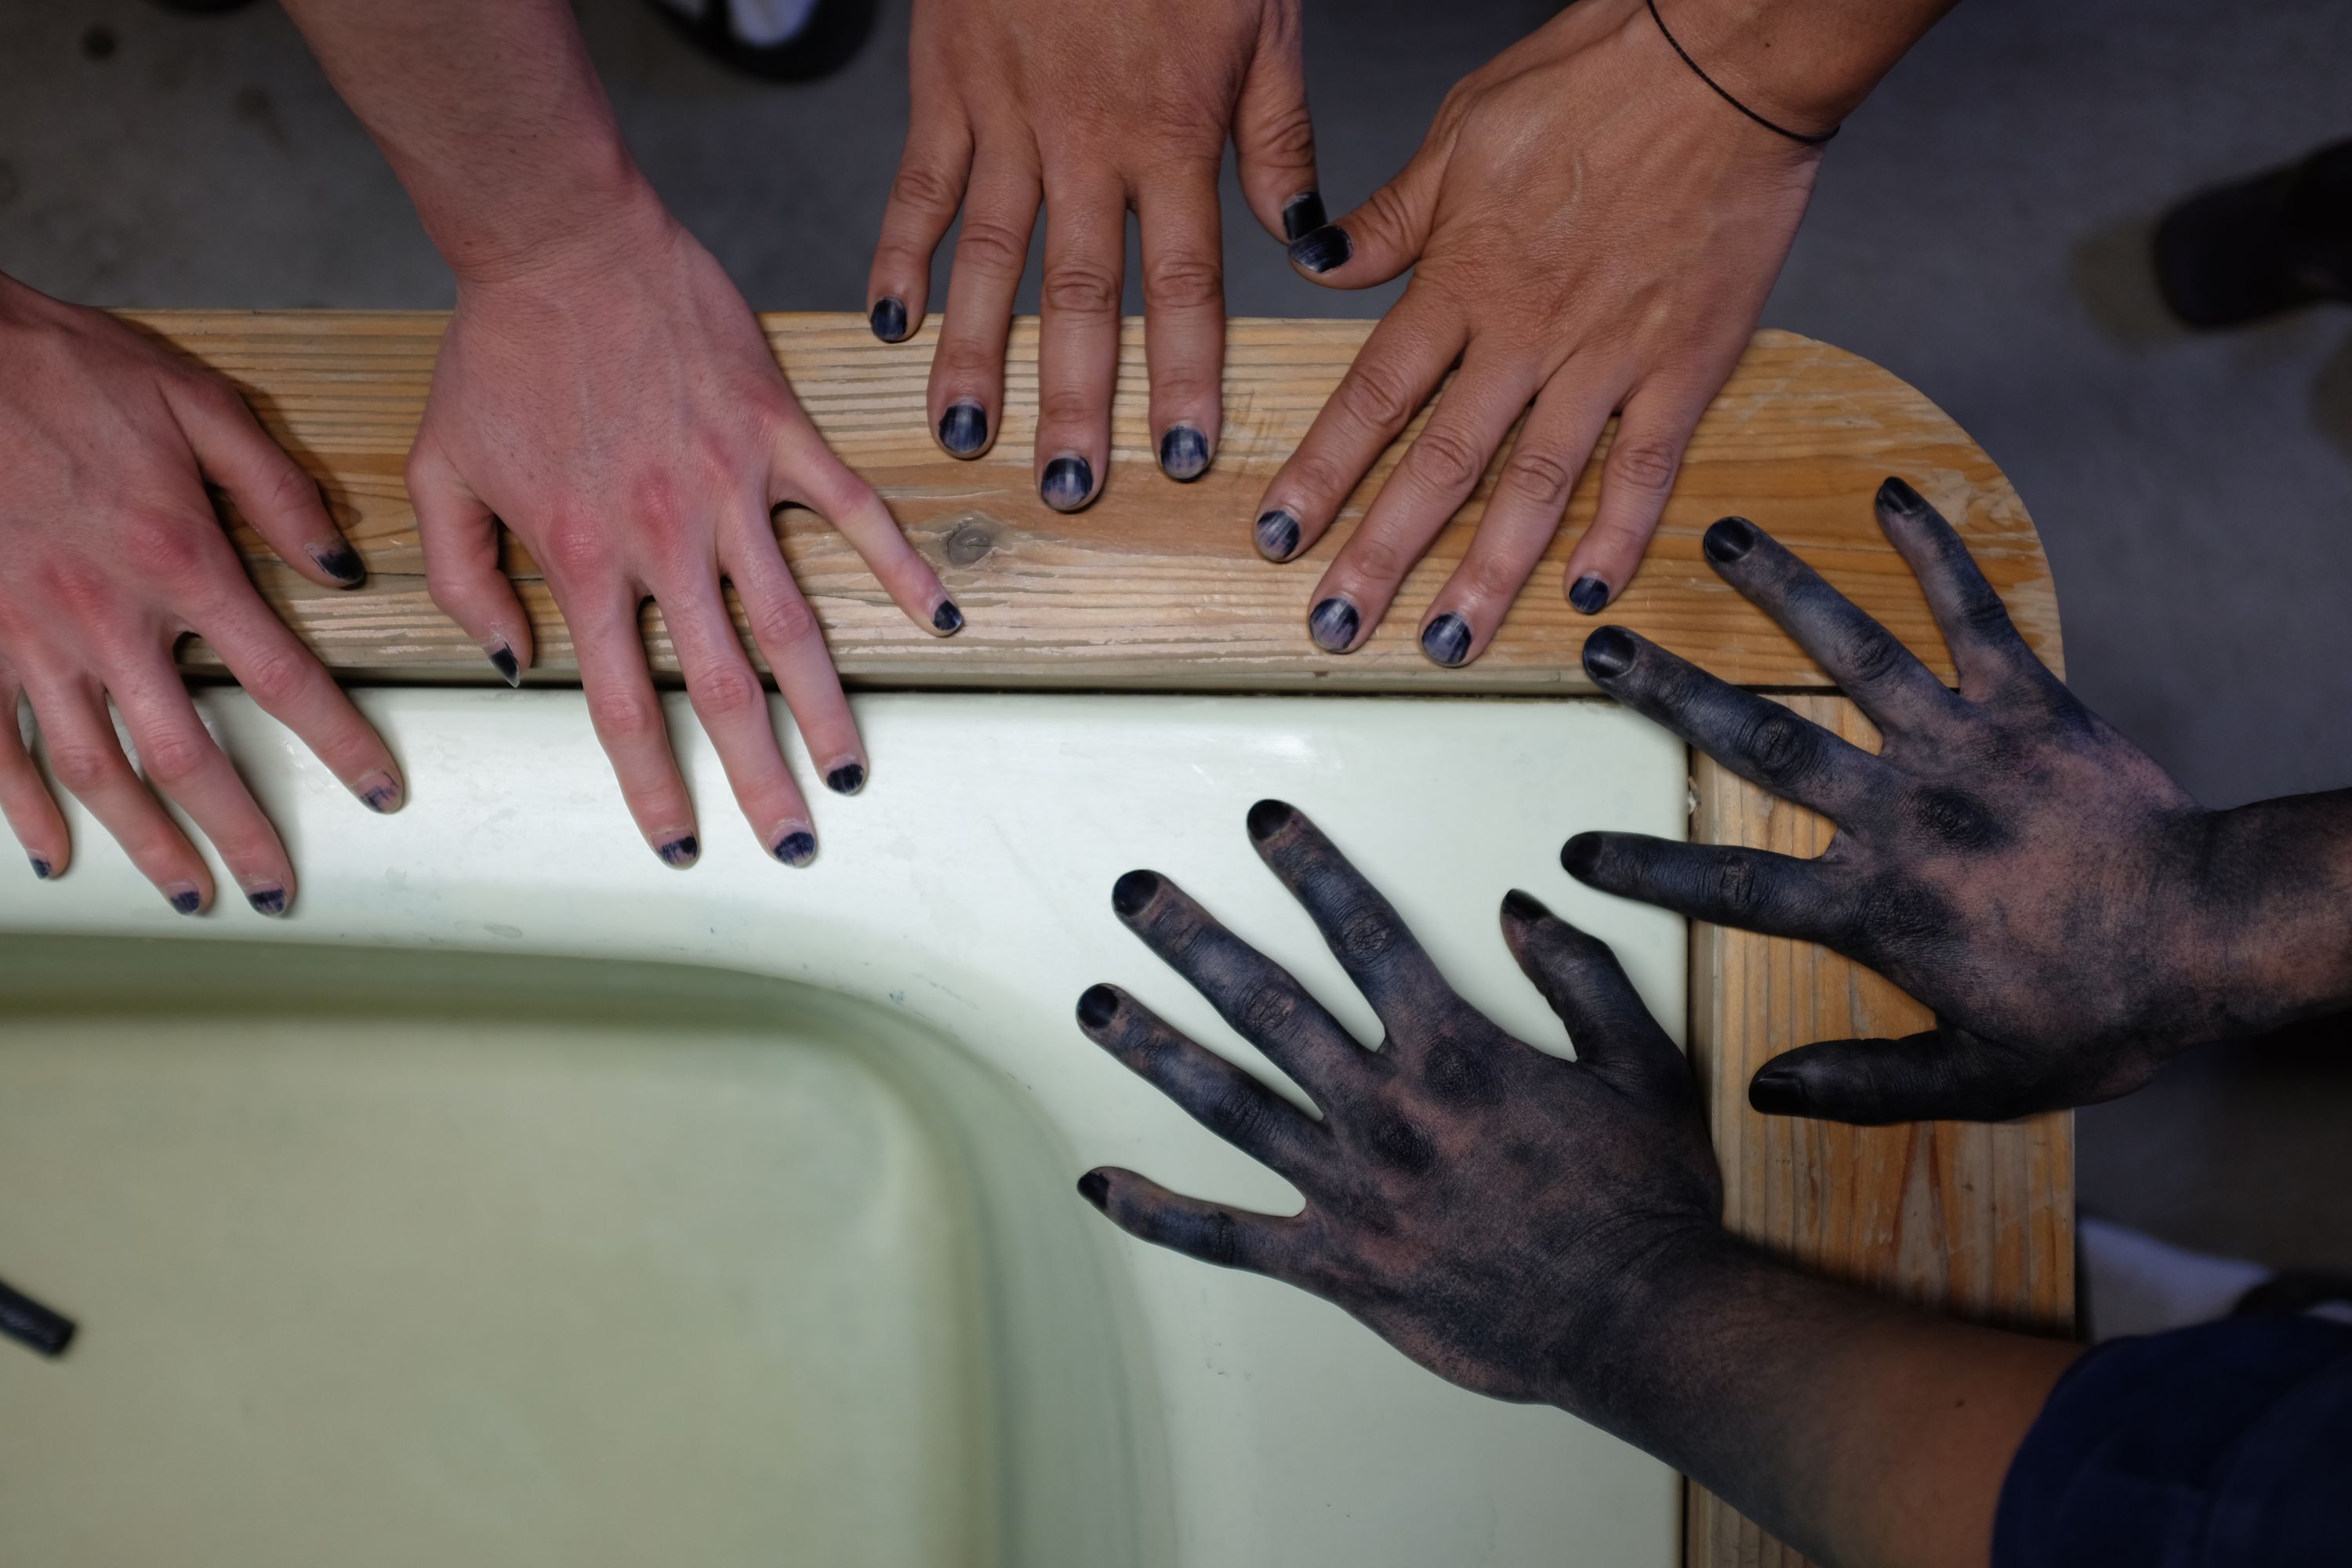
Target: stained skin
x,y
2074,918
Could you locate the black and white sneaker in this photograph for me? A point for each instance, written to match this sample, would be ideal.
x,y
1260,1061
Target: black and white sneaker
x,y
776,40
2266,244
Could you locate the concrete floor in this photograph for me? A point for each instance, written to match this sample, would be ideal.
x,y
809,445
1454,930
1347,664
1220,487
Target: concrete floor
x,y
1979,229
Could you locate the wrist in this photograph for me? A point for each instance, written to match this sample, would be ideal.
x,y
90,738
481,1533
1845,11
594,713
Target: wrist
x,y
581,214
1803,65
2271,943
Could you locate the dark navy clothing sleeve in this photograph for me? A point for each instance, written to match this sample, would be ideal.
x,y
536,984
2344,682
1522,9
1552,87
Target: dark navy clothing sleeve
x,y
2224,1446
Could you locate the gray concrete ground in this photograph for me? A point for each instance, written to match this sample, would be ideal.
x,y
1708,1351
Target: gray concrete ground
x,y
1981,229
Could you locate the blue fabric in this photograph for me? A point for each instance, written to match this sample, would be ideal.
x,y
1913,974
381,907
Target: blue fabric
x,y
2224,1446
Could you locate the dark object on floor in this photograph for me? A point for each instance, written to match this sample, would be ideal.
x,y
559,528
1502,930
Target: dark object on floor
x,y
2262,246
29,1322
833,35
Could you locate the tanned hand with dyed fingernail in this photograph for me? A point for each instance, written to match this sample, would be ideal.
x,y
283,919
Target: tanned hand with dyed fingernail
x,y
1591,230
110,552
604,392
1093,107
2072,916
1540,1229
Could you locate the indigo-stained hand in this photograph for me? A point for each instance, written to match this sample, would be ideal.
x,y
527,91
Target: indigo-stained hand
x,y
2072,915
1591,231
1488,1208
1095,106
110,552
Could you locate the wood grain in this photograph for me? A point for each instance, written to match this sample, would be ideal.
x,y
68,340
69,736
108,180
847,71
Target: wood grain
x,y
1156,585
1967,1218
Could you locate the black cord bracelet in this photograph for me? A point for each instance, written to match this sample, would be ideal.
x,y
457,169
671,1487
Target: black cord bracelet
x,y
1782,129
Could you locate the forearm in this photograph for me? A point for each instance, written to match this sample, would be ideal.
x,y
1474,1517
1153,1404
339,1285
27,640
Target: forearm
x,y
1860,1431
1804,64
2274,911
492,117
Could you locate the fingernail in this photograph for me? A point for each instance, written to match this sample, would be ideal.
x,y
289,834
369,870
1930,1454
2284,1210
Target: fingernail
x,y
266,901
502,659
1776,1091
888,319
1523,907
379,794
1094,1187
341,563
1608,653
1590,595
947,620
1067,483
1277,534
1321,249
1446,639
1268,817
1896,496
796,849
1580,855
681,851
1333,625
1302,215
1134,890
1729,540
42,870
1098,1006
963,428
184,897
847,779
1183,453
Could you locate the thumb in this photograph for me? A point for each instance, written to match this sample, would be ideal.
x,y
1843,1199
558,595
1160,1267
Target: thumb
x,y
460,537
271,490
1381,238
1942,1075
1274,136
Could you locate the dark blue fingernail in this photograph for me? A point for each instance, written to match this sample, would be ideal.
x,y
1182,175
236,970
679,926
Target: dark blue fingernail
x,y
963,428
1590,595
1134,890
1094,1187
1302,215
796,849
1333,625
1446,639
1067,483
1776,1091
847,779
266,901
1729,540
187,901
1608,653
683,850
502,659
1896,496
1098,1006
42,870
380,796
1184,453
888,319
1581,855
1268,817
947,620
1523,907
1321,249
341,563
1277,534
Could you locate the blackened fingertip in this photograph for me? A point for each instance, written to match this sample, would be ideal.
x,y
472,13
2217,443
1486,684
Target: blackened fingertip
x,y
1322,249
266,901
341,563
1095,1187
1896,496
847,779
947,620
681,851
963,428
187,900
1068,484
1333,624
1097,1005
1580,856
1776,1091
1608,653
502,659
1591,594
1277,535
380,796
1132,892
1446,640
1302,215
888,319
1268,817
1522,906
1729,540
795,849
42,870
1183,453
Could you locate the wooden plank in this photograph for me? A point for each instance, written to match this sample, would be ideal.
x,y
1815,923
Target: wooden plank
x,y
1970,1219
1156,585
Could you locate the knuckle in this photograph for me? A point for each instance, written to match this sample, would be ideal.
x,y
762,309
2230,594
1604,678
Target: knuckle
x,y
1364,932
176,756
728,690
1737,884
1444,461
82,769
1378,559
1319,479
170,546
1266,1009
1538,480
1646,464
926,188
1080,288
577,546
993,246
1065,408
288,489
965,358
1182,282
1286,135
1871,653
1376,395
276,675
784,621
1493,577
1237,1112
1781,745
624,717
